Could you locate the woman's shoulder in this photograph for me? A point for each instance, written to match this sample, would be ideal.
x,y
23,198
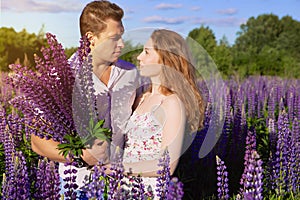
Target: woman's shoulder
x,y
173,102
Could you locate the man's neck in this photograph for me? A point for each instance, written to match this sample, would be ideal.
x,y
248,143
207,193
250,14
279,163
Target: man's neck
x,y
103,73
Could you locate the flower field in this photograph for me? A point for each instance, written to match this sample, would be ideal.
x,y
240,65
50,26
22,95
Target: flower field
x,y
257,154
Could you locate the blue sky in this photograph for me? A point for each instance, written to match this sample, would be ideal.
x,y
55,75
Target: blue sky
x,y
224,17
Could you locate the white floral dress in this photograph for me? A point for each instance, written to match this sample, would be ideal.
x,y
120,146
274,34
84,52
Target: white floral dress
x,y
144,137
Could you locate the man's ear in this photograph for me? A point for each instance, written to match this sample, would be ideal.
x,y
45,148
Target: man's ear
x,y
90,36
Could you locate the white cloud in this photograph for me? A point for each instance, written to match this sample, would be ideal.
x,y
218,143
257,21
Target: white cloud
x,y
195,8
229,21
166,6
164,20
228,11
129,11
54,6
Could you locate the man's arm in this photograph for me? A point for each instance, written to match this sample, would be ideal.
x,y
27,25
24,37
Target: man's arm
x,y
48,148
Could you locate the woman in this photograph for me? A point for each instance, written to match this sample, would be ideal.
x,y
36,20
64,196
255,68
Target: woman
x,y
171,107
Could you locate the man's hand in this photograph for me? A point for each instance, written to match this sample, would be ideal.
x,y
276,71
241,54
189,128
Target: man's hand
x,y
98,152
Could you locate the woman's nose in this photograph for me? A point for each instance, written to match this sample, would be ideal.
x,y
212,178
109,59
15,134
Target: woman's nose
x,y
139,57
121,43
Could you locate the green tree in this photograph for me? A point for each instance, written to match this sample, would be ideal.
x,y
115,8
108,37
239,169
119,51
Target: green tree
x,y
19,46
70,51
202,42
266,45
205,37
223,57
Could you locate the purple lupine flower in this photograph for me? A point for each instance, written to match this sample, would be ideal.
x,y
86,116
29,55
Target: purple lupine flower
x,y
3,123
95,185
272,134
115,180
22,183
272,157
296,139
280,167
8,189
6,92
237,118
223,141
297,105
271,104
40,174
222,179
46,94
291,165
279,92
239,126
47,181
261,98
250,147
175,189
136,189
55,100
70,185
251,94
290,98
163,180
254,178
84,104
16,183
15,124
288,153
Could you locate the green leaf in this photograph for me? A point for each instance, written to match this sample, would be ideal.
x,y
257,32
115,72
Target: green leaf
x,y
101,136
91,124
98,125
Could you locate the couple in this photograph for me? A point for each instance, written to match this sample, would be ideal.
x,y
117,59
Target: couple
x,y
151,122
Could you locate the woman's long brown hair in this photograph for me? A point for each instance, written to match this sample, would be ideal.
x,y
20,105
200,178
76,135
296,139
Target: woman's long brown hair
x,y
178,74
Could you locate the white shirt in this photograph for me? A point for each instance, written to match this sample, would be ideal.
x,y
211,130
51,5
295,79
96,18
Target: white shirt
x,y
115,106
120,92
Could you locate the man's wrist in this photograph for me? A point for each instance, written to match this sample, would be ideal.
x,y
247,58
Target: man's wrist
x,y
79,162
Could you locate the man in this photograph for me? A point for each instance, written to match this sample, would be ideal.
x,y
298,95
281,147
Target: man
x,y
101,22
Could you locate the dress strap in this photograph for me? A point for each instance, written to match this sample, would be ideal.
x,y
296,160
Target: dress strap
x,y
142,99
157,106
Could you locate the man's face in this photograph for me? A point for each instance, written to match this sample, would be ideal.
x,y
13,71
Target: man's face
x,y
109,43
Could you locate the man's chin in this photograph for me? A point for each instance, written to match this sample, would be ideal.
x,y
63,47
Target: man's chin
x,y
115,59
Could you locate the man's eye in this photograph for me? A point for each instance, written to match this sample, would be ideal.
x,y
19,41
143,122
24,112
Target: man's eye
x,y
116,38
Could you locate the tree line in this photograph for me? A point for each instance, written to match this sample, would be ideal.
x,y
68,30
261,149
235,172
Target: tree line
x,y
265,45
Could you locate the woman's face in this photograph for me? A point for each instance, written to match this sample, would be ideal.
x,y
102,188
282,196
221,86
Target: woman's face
x,y
149,61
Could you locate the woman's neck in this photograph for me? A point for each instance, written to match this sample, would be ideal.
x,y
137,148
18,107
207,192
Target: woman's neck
x,y
156,83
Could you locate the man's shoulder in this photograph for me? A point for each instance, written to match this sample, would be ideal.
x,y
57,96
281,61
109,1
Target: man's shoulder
x,y
125,65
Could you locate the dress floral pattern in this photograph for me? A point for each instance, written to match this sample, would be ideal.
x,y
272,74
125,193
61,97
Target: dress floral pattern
x,y
143,142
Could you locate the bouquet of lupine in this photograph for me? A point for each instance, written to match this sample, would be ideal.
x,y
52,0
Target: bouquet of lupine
x,y
58,99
